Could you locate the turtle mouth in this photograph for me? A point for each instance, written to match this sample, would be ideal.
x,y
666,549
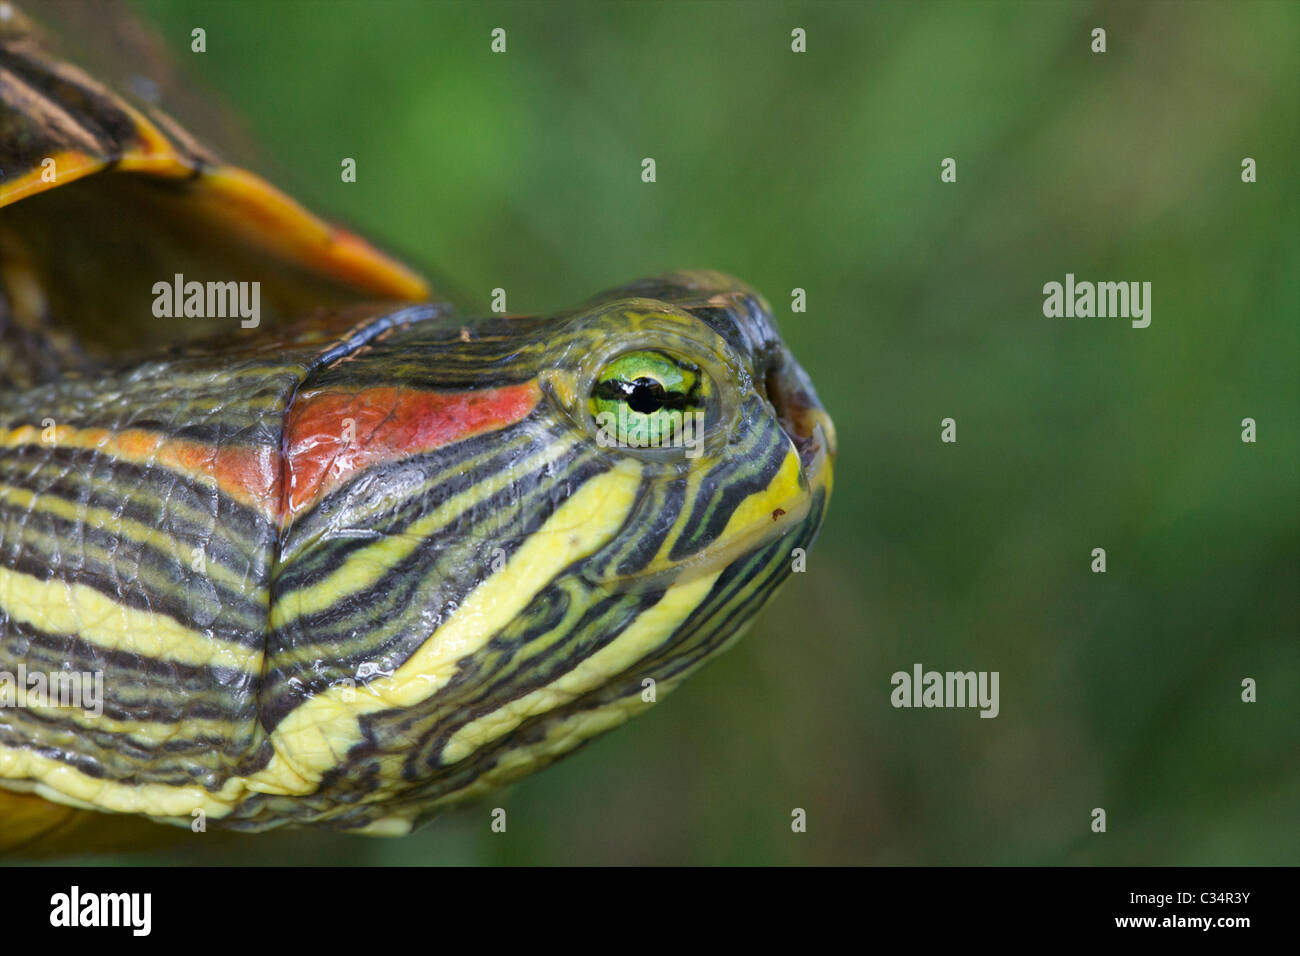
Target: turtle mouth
x,y
800,414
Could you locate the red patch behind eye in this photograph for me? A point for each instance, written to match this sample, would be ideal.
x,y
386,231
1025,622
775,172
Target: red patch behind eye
x,y
323,450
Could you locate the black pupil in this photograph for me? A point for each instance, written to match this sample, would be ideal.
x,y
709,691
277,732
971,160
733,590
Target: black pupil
x,y
645,396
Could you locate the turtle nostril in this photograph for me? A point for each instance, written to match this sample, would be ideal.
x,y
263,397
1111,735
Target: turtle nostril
x,y
787,405
797,410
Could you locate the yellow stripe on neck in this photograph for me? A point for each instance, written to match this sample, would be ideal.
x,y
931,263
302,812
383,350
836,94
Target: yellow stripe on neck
x,y
636,642
315,735
61,607
368,565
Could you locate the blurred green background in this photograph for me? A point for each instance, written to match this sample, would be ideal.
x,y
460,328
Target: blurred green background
x,y
821,171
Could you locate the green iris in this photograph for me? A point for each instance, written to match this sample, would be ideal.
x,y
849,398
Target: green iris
x,y
650,399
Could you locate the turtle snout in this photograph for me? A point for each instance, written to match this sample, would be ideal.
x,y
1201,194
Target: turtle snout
x,y
800,413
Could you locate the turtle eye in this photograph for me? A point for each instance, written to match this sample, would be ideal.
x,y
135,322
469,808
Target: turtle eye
x,y
650,398
645,395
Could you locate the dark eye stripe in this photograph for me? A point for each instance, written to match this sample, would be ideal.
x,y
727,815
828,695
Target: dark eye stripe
x,y
619,390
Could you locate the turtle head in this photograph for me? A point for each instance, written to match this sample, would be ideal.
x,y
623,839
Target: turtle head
x,y
683,387
573,513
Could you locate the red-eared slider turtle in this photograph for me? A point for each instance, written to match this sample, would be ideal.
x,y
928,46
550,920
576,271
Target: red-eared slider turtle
x,y
346,568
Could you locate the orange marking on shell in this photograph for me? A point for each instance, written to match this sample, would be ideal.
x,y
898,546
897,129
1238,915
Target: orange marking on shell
x,y
244,205
249,206
387,424
68,167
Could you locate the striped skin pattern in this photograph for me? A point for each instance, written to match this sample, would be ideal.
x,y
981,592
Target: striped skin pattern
x,y
350,578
